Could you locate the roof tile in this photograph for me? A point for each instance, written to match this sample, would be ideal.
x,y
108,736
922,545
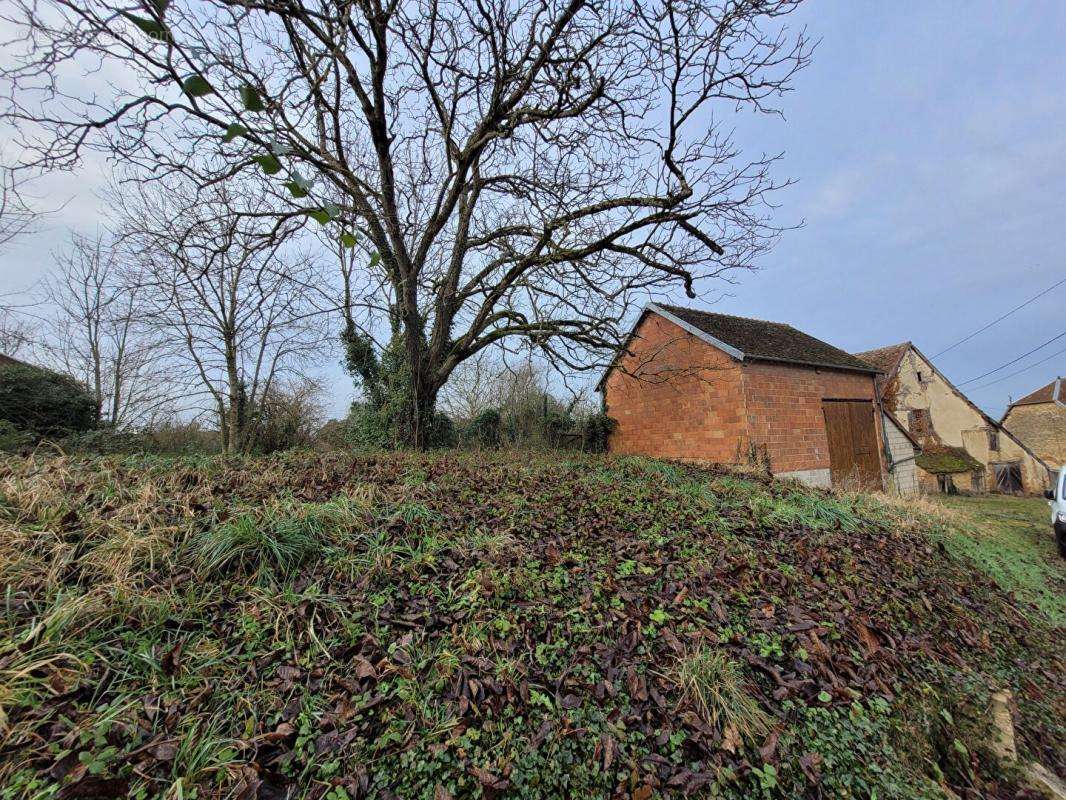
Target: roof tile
x,y
1045,394
768,341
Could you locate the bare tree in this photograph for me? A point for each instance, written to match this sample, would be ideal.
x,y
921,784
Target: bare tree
x,y
233,294
16,334
513,172
471,388
98,334
16,217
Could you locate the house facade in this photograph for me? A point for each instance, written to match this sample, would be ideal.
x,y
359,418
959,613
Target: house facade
x,y
963,448
697,386
1039,420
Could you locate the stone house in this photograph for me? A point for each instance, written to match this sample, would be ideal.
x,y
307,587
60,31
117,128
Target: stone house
x,y
963,448
709,387
1039,420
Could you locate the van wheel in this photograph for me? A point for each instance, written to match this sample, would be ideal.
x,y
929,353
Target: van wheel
x,y
1060,539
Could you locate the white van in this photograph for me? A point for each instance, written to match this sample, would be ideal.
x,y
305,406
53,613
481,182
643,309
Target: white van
x,y
1056,498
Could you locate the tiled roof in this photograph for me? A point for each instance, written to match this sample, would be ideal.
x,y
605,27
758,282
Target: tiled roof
x,y
767,341
1045,394
886,359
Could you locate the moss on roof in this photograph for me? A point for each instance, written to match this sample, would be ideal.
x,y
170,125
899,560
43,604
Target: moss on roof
x,y
948,461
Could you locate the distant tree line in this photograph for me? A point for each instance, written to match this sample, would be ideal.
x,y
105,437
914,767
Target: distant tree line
x,y
487,405
188,314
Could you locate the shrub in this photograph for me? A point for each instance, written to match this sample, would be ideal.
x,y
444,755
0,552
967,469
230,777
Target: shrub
x,y
45,404
187,438
442,431
596,429
108,441
11,438
332,435
484,429
370,428
288,417
171,438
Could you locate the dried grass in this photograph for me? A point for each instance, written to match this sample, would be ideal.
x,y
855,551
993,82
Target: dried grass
x,y
714,687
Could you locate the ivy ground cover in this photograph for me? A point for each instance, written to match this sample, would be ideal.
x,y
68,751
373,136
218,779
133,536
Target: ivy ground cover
x,y
452,626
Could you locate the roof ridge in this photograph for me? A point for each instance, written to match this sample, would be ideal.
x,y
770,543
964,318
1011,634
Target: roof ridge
x,y
1052,387
907,343
731,316
761,339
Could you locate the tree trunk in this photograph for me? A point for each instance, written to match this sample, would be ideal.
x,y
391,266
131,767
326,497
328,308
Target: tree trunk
x,y
417,429
421,395
235,413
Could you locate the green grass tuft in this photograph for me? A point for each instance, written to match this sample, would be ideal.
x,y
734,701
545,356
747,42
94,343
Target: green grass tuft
x,y
714,686
274,541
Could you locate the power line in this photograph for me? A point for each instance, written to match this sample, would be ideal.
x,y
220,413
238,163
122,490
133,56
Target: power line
x,y
1020,371
1000,319
1015,360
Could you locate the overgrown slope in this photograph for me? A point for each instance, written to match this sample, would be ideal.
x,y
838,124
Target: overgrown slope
x,y
442,626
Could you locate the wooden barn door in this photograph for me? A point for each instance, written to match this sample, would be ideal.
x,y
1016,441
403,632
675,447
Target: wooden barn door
x,y
1008,477
852,433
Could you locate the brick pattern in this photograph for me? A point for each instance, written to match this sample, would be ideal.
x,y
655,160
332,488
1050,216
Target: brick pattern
x,y
1042,428
676,396
679,397
784,410
904,477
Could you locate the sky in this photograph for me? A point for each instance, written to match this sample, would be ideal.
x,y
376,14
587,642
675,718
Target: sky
x,y
927,142
928,146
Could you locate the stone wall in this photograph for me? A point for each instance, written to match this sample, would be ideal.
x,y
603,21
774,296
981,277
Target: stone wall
x,y
1042,427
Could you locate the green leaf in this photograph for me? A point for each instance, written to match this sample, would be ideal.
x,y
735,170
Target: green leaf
x,y
301,181
332,209
349,240
269,163
151,27
161,6
295,189
251,99
375,258
233,131
197,86
319,216
825,697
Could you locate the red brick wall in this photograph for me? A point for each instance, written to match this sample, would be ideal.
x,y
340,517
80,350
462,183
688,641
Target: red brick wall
x,y
679,397
684,398
784,410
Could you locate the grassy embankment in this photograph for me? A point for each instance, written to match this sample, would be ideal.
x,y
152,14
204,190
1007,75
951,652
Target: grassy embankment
x,y
1010,538
447,626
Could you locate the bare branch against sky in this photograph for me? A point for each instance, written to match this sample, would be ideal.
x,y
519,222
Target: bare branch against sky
x,y
511,170
217,282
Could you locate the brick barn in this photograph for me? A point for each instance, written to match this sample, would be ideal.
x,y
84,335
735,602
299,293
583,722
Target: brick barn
x,y
698,386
